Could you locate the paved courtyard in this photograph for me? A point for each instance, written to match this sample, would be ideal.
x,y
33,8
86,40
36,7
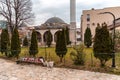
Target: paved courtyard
x,y
12,71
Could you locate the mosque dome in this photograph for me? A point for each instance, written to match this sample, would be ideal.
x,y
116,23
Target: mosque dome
x,y
53,23
54,20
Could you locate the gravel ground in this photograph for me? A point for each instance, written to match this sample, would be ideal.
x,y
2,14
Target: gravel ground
x,y
12,71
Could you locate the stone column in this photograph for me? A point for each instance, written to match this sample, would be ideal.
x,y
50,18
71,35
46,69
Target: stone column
x,y
42,41
53,42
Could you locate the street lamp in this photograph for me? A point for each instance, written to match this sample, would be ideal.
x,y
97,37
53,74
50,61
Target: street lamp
x,y
45,52
113,55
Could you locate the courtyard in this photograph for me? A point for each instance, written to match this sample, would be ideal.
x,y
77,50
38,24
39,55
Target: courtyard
x,y
11,71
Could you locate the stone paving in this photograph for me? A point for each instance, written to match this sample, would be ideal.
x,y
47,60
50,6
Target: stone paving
x,y
12,71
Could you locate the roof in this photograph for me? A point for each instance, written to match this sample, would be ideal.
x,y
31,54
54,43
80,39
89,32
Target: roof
x,y
52,23
54,20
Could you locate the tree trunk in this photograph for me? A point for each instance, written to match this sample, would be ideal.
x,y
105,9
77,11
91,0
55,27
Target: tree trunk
x,y
33,55
61,59
11,29
102,63
48,45
5,53
17,57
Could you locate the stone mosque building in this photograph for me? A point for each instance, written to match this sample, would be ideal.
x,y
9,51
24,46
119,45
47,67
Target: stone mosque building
x,y
54,24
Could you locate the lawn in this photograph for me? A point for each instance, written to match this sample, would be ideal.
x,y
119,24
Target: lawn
x,y
51,55
92,64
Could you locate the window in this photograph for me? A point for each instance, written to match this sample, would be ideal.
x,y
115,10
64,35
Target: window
x,y
88,25
88,17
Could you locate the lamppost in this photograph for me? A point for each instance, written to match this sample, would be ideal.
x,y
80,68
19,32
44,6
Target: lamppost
x,y
75,37
113,55
45,52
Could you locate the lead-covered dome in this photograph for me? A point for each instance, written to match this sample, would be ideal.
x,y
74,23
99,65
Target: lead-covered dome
x,y
53,23
54,20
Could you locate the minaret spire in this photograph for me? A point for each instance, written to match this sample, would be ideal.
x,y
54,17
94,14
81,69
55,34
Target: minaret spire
x,y
73,21
72,11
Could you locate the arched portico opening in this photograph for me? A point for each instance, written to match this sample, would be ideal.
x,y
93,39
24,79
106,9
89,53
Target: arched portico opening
x,y
55,35
39,38
47,35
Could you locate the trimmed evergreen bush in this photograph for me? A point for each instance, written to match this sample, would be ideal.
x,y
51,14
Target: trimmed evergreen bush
x,y
48,38
33,49
5,42
61,48
25,42
102,44
87,37
15,44
67,36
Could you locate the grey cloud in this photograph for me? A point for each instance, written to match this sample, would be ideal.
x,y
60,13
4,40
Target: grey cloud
x,y
63,11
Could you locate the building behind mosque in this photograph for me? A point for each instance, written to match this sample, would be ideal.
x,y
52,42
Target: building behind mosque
x,y
90,18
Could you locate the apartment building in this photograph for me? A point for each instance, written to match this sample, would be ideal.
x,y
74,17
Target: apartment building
x,y
90,18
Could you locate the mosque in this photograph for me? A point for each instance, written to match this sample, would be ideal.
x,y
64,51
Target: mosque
x,y
54,24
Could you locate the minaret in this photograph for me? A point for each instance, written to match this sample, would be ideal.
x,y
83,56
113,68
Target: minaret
x,y
73,12
73,21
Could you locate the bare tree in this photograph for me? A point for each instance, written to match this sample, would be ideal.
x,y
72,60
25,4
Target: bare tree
x,y
6,11
16,12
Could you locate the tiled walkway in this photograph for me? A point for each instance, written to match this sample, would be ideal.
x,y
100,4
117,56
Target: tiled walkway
x,y
12,71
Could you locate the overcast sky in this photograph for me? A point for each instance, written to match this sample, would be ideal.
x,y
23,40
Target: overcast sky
x,y
45,9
